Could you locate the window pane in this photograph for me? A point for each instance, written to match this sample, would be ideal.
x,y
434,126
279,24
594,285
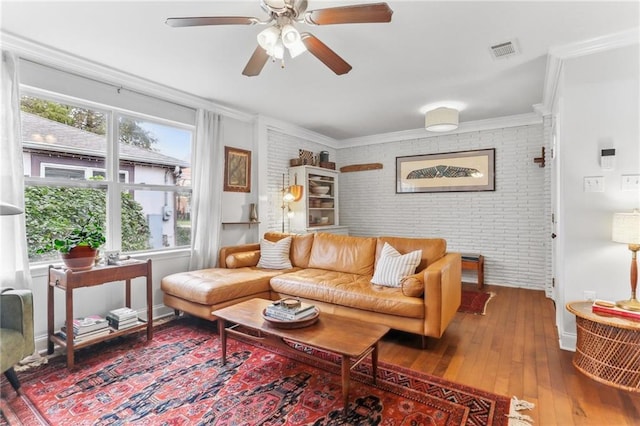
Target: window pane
x,y
52,211
61,141
155,219
152,153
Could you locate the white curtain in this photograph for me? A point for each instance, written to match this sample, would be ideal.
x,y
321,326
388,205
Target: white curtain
x,y
207,180
14,260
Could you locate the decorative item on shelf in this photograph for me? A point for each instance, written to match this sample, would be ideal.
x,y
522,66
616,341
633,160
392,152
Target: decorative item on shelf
x,y
626,229
295,162
441,119
320,190
305,156
253,213
328,165
324,156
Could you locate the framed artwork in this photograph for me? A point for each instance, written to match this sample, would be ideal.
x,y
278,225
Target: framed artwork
x,y
446,172
237,170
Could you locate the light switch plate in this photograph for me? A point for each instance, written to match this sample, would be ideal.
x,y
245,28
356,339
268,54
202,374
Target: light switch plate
x,y
630,183
594,184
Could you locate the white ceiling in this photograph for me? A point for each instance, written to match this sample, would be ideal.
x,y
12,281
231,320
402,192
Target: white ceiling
x,y
430,52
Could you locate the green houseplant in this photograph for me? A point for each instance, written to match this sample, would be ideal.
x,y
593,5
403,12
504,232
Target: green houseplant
x,y
80,245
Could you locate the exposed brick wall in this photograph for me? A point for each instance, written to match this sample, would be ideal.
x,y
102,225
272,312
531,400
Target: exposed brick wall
x,y
509,226
282,148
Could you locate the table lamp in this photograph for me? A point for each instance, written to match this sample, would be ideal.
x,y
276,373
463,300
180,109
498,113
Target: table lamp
x,y
626,229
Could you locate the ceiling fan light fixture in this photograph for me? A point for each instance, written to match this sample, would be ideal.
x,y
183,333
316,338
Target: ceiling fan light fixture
x,y
297,49
441,119
268,38
290,35
278,50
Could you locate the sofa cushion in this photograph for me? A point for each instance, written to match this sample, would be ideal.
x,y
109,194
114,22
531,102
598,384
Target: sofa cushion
x,y
343,253
300,246
275,255
215,285
432,248
392,266
346,289
243,259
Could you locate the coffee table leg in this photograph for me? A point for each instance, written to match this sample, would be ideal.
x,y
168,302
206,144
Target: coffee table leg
x,y
346,370
222,331
374,362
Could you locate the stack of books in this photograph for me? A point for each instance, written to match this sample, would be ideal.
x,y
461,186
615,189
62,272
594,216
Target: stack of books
x,y
278,311
122,318
609,308
86,328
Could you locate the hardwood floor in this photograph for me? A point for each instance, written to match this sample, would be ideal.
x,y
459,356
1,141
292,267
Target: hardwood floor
x,y
513,351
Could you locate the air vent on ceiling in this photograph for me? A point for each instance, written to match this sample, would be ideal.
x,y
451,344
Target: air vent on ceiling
x,y
504,50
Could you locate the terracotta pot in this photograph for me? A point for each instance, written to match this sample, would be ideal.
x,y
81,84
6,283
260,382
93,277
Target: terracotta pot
x,y
80,258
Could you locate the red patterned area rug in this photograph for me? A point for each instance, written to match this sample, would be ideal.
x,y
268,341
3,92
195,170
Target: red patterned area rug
x,y
475,301
177,379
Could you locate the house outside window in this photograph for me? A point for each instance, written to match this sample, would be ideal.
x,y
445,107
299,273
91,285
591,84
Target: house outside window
x,y
71,156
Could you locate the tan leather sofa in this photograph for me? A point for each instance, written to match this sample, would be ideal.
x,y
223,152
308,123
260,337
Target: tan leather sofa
x,y
333,272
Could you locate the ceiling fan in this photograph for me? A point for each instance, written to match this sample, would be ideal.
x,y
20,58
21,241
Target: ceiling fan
x,y
282,35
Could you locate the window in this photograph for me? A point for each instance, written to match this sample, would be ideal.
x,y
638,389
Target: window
x,y
71,159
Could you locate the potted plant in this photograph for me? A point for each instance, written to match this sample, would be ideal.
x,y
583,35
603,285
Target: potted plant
x,y
80,245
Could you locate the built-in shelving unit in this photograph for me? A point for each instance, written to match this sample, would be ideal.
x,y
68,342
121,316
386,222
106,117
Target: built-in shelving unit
x,y
318,210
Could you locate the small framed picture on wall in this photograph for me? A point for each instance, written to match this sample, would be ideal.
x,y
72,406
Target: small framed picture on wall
x,y
237,170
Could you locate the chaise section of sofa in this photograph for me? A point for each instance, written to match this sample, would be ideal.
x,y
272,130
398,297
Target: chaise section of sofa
x,y
334,272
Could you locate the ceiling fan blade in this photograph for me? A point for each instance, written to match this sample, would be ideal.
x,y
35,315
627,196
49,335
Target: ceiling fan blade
x,y
325,54
358,14
256,62
211,20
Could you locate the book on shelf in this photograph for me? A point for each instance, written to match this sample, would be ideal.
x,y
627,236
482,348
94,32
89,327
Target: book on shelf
x,y
122,313
122,324
610,308
84,337
89,324
277,311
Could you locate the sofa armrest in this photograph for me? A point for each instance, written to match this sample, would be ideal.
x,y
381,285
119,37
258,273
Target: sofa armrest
x,y
16,313
226,251
442,293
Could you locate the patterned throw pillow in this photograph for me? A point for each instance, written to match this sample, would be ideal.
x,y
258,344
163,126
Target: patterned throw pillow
x,y
275,255
393,266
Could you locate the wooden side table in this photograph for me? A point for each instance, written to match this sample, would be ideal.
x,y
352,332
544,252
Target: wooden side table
x,y
608,347
474,262
68,281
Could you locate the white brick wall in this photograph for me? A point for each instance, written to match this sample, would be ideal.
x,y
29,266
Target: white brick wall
x,y
282,148
509,226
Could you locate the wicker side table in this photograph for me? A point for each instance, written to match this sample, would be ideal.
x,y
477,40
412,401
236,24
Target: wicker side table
x,y
608,347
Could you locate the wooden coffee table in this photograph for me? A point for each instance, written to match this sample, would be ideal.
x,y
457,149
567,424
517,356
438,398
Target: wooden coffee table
x,y
349,338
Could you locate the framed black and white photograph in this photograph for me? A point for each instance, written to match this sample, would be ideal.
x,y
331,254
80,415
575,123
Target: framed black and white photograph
x,y
446,172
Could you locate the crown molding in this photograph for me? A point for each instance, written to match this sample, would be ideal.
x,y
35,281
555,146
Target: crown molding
x,y
297,131
557,55
466,127
48,56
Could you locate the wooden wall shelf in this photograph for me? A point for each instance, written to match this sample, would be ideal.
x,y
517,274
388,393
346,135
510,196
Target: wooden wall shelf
x,y
239,223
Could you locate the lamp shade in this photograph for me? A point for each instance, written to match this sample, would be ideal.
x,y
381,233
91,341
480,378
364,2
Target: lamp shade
x,y
626,228
441,119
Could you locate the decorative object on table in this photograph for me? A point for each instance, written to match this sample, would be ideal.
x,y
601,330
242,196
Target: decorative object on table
x,y
286,323
626,229
150,371
237,170
609,308
79,247
446,172
441,119
122,318
253,213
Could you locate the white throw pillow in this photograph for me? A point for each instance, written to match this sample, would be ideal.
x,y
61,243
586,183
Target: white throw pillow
x,y
275,255
392,266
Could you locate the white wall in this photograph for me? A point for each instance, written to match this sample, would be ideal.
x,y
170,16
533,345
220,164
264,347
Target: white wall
x,y
599,108
235,205
509,226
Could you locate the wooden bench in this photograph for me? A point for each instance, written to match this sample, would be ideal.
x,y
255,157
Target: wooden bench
x,y
474,262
